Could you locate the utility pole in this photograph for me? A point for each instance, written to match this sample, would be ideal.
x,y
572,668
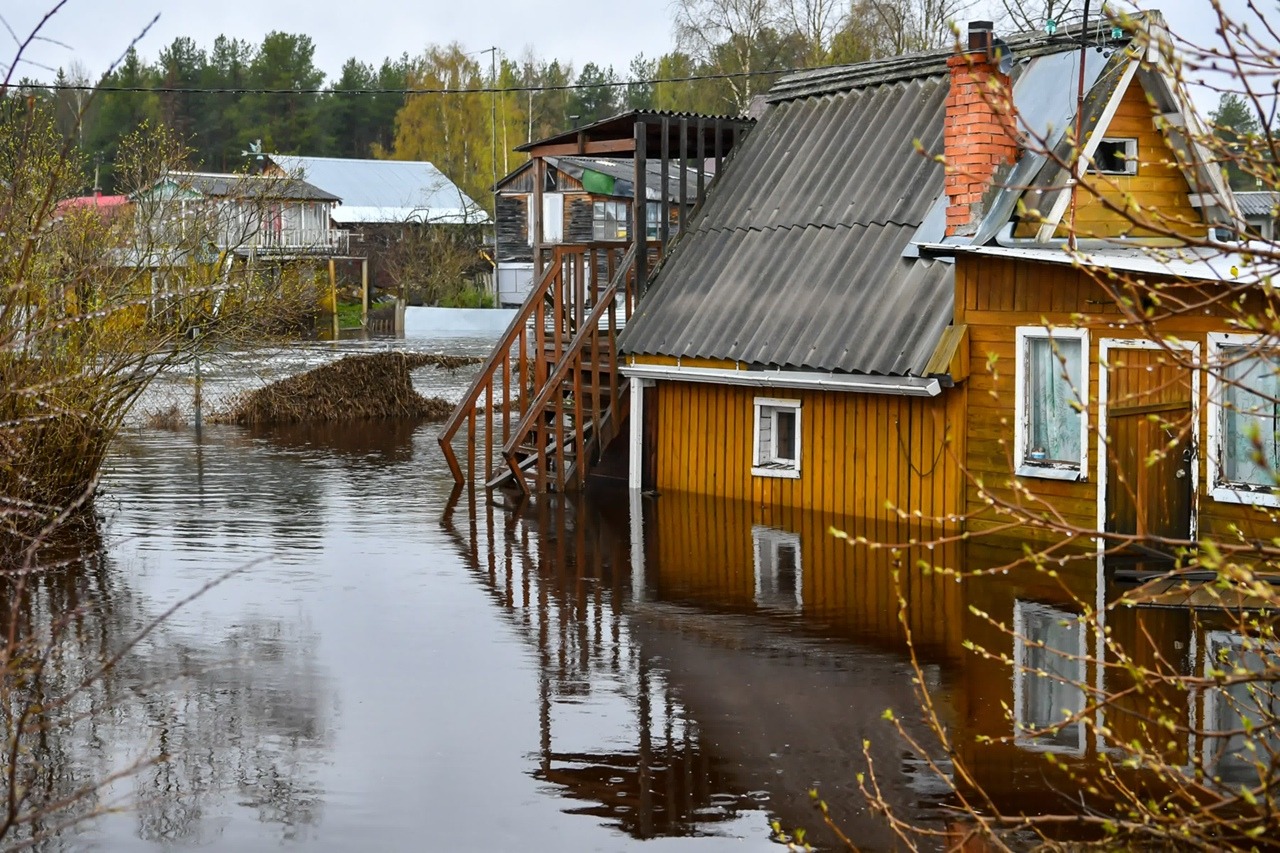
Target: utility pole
x,y
493,155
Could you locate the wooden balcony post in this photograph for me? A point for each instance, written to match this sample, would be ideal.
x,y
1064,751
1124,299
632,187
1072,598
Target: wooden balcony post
x,y
639,201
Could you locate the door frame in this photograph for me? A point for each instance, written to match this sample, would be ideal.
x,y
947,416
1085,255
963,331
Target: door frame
x,y
1105,347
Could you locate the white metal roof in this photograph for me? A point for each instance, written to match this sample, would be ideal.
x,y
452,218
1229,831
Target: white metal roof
x,y
386,191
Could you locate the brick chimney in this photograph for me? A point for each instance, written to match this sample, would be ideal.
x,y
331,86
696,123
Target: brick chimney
x,y
979,131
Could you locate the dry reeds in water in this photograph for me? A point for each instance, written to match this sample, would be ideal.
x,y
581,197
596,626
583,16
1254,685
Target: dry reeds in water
x,y
358,386
168,419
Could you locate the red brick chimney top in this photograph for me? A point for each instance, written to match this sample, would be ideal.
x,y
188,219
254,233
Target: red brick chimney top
x,y
979,132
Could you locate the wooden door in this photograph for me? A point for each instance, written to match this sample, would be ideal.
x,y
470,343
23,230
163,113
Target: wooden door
x,y
1151,448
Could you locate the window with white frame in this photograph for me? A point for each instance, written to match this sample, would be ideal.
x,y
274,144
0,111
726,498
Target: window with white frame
x,y
1049,658
1052,385
1116,157
1240,716
609,220
779,581
1244,419
776,450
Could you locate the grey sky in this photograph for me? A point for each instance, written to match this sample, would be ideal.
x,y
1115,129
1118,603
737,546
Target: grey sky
x,y
96,32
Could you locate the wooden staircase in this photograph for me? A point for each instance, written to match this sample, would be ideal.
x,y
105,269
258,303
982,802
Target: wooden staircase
x,y
550,398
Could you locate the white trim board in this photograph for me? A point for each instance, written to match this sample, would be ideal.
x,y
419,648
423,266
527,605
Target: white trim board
x,y
908,386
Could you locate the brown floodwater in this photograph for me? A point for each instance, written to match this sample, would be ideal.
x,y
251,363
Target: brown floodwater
x,y
391,665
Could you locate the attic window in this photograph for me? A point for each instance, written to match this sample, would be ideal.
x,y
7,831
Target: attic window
x,y
1116,157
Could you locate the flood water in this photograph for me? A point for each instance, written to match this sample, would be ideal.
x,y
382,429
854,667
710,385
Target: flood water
x,y
382,665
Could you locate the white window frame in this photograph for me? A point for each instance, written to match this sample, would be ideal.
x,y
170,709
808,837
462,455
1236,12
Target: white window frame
x,y
1022,413
552,218
1020,610
768,541
621,221
1130,156
1219,489
773,466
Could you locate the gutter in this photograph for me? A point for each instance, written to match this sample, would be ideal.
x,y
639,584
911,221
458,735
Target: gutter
x,y
903,386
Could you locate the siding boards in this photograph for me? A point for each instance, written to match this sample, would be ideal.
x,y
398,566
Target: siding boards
x,y
990,301
858,451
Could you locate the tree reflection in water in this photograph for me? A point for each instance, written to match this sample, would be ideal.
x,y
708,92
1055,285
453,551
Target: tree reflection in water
x,y
167,728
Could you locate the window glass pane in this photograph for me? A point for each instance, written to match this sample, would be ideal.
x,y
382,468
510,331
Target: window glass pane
x,y
784,439
1249,417
1053,383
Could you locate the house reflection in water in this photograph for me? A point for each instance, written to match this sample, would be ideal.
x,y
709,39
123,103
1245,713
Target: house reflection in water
x,y
720,664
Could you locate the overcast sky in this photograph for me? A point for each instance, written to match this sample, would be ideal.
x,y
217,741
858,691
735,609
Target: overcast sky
x,y
96,32
607,32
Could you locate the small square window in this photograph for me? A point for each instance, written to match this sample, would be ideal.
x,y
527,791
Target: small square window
x,y
777,438
609,220
1116,157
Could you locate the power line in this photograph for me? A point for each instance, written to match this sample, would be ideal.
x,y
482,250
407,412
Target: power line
x,y
407,90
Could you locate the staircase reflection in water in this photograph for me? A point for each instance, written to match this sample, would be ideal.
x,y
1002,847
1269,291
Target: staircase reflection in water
x,y
757,651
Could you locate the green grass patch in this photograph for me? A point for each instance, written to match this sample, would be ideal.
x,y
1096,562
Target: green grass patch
x,y
468,297
349,315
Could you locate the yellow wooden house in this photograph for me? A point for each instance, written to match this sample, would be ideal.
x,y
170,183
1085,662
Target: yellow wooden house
x,y
855,328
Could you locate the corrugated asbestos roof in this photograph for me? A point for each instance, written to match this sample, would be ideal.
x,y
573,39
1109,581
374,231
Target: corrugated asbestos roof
x,y
802,256
796,260
1258,203
386,191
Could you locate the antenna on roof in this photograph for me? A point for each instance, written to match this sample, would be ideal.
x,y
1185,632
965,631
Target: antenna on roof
x,y
255,155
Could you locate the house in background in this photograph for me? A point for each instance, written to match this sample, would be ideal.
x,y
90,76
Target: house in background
x,y
584,200
380,199
848,328
1260,209
107,205
259,215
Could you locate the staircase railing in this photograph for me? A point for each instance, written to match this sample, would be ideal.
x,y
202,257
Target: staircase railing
x,y
529,349
578,409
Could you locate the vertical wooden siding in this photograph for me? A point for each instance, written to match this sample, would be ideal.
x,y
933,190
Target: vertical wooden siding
x,y
859,452
995,296
1159,182
701,549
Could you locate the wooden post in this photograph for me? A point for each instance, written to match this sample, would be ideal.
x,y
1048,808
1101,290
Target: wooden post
x,y
535,215
364,293
664,209
333,295
684,172
702,161
638,233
